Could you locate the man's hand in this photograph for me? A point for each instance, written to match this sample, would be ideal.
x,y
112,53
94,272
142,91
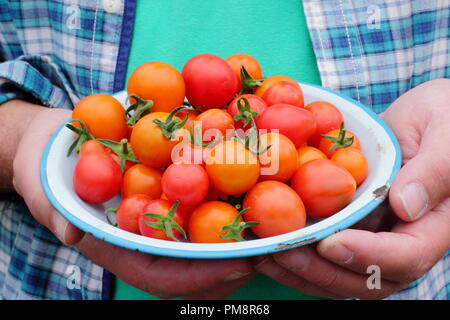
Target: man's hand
x,y
337,266
162,276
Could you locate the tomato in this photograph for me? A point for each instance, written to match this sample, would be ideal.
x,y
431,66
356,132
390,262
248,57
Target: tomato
x,y
354,161
215,123
187,183
189,154
210,81
269,82
159,82
276,207
129,211
150,144
161,220
284,92
97,178
191,116
297,124
208,219
344,141
239,60
308,153
256,103
103,115
279,162
327,117
141,179
324,187
232,169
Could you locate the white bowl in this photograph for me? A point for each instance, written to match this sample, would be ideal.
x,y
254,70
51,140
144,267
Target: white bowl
x,y
378,143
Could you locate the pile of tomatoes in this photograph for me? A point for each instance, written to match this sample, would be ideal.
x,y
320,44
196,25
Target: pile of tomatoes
x,y
210,153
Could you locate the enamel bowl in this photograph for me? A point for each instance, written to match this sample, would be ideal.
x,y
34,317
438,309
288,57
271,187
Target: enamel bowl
x,y
378,143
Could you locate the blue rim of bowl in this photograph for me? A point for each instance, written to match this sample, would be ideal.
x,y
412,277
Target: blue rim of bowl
x,y
243,252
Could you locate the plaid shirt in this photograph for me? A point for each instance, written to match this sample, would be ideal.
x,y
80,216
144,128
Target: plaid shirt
x,y
55,52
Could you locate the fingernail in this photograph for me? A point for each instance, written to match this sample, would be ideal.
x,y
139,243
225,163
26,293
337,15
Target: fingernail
x,y
59,226
336,252
235,275
295,259
415,199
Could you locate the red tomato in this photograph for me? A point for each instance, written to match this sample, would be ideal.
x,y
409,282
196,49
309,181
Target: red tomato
x,y
239,60
324,187
103,115
141,179
279,162
256,103
297,124
284,92
232,169
215,123
276,207
97,178
159,82
167,223
210,81
187,183
208,219
130,210
327,117
354,161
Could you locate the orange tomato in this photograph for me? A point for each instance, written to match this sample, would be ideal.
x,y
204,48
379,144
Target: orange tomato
x,y
307,153
325,145
140,179
354,161
103,115
269,82
280,161
232,168
159,82
214,123
238,60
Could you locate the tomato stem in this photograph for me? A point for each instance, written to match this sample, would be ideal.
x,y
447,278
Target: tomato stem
x,y
122,149
235,228
248,83
171,125
340,141
83,135
166,222
141,107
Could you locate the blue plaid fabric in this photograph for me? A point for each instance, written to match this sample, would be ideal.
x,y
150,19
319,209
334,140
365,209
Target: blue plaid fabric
x,y
54,52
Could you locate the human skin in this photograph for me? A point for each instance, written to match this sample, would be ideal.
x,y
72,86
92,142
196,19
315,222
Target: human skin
x,y
28,129
420,198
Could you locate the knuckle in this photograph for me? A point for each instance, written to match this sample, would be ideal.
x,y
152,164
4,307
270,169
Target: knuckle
x,y
329,281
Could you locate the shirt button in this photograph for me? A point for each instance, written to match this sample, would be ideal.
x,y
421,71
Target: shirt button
x,y
112,6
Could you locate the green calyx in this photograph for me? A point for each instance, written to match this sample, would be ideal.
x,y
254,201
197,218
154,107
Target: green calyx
x,y
235,228
248,83
246,114
141,107
172,123
166,222
122,149
83,135
340,141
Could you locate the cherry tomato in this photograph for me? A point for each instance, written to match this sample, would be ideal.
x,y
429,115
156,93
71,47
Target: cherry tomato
x,y
256,103
141,179
187,183
327,145
150,144
269,82
284,92
327,117
159,82
208,219
297,124
232,169
279,162
191,115
210,81
354,161
165,223
324,187
276,207
130,210
188,153
214,123
97,178
103,115
308,153
239,60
